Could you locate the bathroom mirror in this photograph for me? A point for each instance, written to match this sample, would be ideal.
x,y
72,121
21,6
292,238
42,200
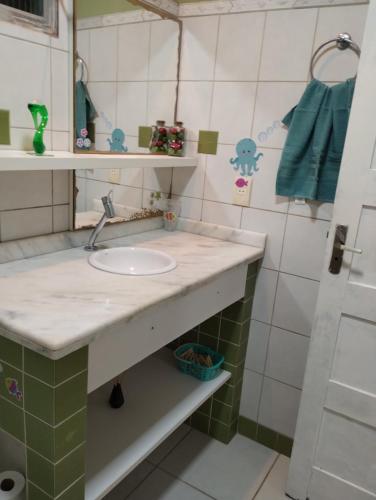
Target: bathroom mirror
x,y
126,78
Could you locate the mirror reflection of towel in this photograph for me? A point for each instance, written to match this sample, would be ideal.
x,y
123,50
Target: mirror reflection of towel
x,y
85,109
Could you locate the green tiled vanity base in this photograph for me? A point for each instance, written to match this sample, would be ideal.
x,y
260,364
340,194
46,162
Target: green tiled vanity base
x,y
226,332
272,439
4,127
43,405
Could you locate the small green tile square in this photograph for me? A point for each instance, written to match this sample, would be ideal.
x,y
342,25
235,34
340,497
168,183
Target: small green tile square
x,y
239,311
70,434
207,142
208,341
236,372
226,394
68,366
39,399
11,352
231,331
12,419
222,412
284,445
211,326
205,408
247,428
253,268
250,287
11,387
4,127
39,366
267,437
144,136
200,422
70,397
35,493
69,469
222,432
76,492
40,472
233,353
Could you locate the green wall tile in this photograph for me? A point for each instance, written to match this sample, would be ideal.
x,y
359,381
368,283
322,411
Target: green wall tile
x,y
233,353
206,407
4,127
253,268
222,432
11,386
70,365
144,136
70,434
69,469
284,445
40,437
40,472
230,331
11,352
70,397
239,311
39,399
228,394
236,372
39,366
266,436
34,493
12,419
207,142
250,287
76,492
211,326
200,422
222,412
247,428
208,341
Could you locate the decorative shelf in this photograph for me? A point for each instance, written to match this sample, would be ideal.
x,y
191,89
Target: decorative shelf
x,y
64,160
158,399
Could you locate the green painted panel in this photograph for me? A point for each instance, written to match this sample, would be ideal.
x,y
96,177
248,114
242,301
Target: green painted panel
x,y
4,127
88,8
10,352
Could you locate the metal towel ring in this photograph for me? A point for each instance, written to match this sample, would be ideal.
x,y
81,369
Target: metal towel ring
x,y
83,66
343,41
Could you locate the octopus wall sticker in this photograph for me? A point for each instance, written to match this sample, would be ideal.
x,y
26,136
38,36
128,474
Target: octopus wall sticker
x,y
247,159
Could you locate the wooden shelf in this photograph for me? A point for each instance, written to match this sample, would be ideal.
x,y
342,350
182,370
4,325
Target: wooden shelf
x,y
64,160
159,399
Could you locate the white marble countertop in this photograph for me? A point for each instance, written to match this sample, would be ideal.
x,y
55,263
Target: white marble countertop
x,y
56,303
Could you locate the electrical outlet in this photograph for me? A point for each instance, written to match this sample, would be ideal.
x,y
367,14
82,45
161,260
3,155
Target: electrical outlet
x,y
242,191
114,176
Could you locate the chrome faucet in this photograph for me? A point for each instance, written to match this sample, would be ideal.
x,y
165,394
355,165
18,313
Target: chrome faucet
x,y
109,213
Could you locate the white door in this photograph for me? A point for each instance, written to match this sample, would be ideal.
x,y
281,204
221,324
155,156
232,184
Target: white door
x,y
334,456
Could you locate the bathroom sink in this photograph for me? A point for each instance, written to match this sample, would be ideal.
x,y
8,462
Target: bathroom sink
x,y
132,261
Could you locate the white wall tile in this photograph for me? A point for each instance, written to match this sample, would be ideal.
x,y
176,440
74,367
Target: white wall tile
x,y
271,223
103,96
194,107
163,50
63,41
304,246
133,65
61,218
60,187
60,90
288,44
191,208
220,176
287,356
232,110
25,189
199,47
222,214
257,346
132,99
263,188
158,179
263,301
251,392
274,101
239,46
24,62
161,102
190,181
279,407
60,141
83,48
132,176
312,209
103,54
25,223
338,65
295,303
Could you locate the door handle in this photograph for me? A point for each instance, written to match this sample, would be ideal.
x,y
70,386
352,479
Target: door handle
x,y
339,246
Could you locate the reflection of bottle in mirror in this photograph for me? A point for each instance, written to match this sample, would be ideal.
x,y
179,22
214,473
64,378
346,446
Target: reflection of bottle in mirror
x,y
176,140
171,214
158,143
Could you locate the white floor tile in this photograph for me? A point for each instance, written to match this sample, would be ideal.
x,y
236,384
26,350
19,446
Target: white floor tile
x,y
162,486
130,483
225,472
169,444
274,486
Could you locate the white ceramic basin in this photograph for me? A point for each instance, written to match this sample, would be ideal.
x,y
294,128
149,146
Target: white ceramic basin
x,y
132,260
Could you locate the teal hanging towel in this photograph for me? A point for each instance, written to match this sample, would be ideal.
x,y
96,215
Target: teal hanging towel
x,y
312,155
85,110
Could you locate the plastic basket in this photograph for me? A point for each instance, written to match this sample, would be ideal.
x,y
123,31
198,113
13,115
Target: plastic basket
x,y
204,373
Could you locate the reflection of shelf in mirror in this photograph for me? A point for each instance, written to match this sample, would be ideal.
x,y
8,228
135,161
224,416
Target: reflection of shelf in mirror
x,y
64,160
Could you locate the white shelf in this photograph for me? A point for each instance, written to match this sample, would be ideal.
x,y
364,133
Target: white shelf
x,y
159,398
64,160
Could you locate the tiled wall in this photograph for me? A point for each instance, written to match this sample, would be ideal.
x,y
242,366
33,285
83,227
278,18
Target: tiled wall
x,y
35,66
241,73
132,82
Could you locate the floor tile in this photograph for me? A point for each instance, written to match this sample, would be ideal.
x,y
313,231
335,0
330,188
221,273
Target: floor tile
x,y
131,482
168,445
225,472
162,486
274,486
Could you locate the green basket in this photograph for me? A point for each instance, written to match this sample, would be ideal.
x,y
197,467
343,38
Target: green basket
x,y
204,373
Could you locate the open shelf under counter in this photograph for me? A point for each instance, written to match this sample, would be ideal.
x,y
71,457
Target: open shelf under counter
x,y
64,160
159,399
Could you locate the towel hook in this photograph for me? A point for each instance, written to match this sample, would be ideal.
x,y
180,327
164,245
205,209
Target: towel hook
x,y
343,41
83,66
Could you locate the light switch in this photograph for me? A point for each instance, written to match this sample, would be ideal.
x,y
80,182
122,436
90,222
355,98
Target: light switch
x,y
242,190
114,176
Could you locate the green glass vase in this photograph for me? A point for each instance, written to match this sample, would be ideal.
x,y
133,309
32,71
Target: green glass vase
x,y
39,112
